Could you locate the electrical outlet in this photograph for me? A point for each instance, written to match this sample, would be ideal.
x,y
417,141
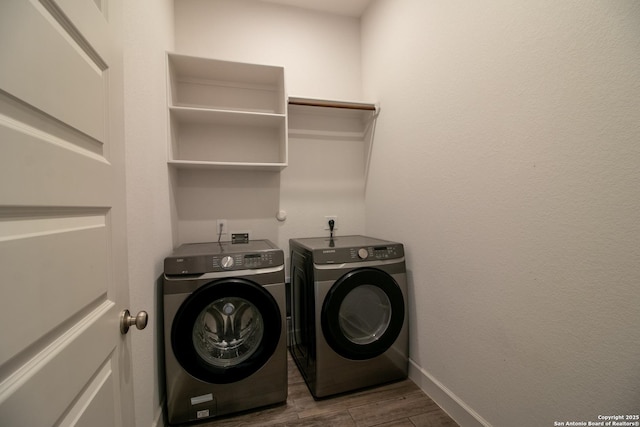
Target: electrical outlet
x,y
223,223
335,222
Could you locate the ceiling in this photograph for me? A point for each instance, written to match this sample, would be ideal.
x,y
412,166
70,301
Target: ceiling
x,y
353,8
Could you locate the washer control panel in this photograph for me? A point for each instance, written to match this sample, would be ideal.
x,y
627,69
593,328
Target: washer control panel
x,y
242,261
223,262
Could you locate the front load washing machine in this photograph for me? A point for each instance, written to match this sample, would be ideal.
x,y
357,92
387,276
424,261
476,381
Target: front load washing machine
x,y
224,329
348,312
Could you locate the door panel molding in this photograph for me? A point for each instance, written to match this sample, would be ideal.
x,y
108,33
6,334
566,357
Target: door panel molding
x,y
61,18
43,273
50,368
49,70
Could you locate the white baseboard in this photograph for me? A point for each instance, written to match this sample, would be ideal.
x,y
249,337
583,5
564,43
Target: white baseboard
x,y
445,398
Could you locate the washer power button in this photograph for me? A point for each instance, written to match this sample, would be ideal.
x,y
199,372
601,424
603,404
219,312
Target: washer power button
x,y
227,262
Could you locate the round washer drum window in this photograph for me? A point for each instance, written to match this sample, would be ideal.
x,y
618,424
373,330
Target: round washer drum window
x,y
228,331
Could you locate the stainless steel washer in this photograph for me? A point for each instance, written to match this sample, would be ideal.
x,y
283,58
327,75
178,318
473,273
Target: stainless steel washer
x,y
224,329
348,312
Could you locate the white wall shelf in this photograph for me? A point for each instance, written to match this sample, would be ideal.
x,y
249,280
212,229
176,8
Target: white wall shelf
x,y
226,114
193,164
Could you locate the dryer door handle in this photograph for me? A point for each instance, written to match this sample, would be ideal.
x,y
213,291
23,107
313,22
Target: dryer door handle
x,y
127,320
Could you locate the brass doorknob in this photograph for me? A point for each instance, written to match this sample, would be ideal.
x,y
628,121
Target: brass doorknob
x,y
126,321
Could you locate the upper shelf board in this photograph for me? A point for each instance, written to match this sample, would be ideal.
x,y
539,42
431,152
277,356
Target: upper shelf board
x,y
185,66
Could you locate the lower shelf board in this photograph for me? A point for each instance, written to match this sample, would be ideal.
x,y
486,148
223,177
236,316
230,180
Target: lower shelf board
x,y
190,164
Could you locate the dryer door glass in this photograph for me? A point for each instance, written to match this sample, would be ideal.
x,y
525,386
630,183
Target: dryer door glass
x,y
228,331
364,314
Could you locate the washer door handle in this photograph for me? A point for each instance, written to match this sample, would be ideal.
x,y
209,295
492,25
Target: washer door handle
x,y
126,321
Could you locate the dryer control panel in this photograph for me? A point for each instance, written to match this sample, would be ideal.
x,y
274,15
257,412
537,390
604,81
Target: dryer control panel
x,y
374,252
358,254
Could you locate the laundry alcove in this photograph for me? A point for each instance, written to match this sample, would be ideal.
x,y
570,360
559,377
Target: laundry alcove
x,y
239,149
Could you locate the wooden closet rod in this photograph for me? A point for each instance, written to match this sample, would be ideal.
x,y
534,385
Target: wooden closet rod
x,y
332,104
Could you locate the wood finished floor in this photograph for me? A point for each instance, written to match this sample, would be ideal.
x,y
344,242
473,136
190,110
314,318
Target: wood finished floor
x,y
400,404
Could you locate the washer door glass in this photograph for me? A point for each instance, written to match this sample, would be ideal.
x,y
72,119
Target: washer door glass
x,y
228,331
364,314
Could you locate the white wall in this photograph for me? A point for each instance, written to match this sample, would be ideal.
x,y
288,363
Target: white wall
x,y
321,56
320,52
507,158
148,34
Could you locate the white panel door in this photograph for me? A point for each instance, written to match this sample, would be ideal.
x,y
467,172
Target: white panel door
x,y
63,275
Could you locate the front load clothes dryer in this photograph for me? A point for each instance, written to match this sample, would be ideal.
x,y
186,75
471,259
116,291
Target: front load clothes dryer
x,y
224,329
348,312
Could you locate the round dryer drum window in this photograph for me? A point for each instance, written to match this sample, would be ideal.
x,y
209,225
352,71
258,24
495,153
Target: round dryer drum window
x,y
363,314
226,330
